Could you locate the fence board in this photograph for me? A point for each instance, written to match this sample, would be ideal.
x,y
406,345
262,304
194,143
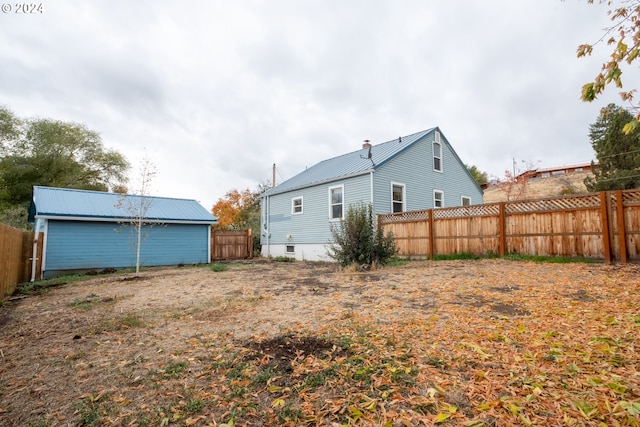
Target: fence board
x,y
594,225
631,213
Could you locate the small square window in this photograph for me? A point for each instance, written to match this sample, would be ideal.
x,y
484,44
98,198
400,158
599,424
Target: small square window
x,y
438,199
290,249
296,205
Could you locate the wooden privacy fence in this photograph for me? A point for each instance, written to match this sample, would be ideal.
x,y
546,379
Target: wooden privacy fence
x,y
16,253
231,244
602,225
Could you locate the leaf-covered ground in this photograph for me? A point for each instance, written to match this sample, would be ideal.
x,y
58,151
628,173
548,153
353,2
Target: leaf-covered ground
x,y
452,343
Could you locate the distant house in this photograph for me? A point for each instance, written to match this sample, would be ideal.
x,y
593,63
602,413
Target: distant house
x,y
414,172
87,230
554,171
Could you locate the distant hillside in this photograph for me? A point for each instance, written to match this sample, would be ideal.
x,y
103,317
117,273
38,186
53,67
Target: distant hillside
x,y
538,188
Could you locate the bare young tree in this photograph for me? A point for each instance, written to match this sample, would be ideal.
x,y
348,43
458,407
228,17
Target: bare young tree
x,y
138,206
514,183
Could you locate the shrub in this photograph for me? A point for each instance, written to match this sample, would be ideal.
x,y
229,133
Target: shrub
x,y
356,239
218,267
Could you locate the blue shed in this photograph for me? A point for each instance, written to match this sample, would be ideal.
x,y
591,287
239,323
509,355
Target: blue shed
x,y
91,230
413,172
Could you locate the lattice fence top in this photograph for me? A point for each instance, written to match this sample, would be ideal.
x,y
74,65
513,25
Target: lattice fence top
x,y
564,203
466,211
404,217
442,213
587,201
631,197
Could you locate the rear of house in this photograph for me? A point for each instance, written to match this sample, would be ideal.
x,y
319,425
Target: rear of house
x,y
91,230
418,171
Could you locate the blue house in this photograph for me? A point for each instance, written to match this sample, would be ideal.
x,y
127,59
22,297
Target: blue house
x,y
414,172
91,230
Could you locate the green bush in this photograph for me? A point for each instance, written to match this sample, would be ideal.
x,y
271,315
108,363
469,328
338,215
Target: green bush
x,y
356,239
218,267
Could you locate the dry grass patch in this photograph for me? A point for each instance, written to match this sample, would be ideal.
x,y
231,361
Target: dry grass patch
x,y
471,343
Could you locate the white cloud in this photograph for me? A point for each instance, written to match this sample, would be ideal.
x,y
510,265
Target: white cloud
x,y
218,91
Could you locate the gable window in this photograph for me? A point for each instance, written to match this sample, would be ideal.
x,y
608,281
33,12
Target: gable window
x,y
296,205
336,203
397,198
466,201
438,199
437,153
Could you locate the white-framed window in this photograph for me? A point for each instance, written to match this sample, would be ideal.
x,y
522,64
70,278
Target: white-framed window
x,y
579,170
397,197
336,202
296,205
291,249
438,199
465,201
437,153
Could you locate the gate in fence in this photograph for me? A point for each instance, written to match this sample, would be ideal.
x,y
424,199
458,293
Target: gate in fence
x,y
231,244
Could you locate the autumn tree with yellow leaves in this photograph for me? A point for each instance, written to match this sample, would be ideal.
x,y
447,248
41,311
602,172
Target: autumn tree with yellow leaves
x,y
623,36
239,209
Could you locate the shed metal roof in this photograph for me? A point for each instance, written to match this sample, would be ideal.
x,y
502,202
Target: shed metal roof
x,y
349,164
61,203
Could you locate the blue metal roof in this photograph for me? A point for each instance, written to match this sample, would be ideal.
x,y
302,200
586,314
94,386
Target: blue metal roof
x,y
349,164
63,203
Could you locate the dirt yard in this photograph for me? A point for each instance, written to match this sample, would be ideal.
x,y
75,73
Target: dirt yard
x,y
472,343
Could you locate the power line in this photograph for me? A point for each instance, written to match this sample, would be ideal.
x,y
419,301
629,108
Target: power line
x,y
620,154
619,178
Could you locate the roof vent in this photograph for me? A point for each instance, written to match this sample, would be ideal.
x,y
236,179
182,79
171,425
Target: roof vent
x,y
366,144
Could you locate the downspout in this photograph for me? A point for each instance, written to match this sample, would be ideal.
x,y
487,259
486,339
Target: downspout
x,y
43,262
371,186
371,196
268,225
34,257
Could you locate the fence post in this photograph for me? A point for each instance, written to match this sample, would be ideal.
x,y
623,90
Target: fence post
x,y
622,234
604,220
432,244
250,242
502,224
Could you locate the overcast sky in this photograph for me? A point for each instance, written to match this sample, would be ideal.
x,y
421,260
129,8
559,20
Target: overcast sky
x,y
216,91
